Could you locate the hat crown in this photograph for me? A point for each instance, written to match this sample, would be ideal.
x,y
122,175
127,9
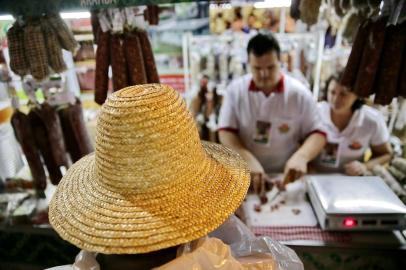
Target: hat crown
x,y
144,132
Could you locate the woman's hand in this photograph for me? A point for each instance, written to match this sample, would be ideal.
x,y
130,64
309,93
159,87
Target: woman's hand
x,y
355,168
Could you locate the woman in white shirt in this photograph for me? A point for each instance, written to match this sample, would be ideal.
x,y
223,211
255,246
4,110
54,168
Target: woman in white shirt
x,y
352,128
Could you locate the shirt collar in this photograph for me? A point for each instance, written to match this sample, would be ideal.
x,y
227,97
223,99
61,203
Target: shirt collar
x,y
280,87
356,120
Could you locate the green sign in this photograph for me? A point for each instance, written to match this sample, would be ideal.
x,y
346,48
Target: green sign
x,y
37,7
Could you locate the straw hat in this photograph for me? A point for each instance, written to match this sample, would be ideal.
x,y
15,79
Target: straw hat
x,y
151,183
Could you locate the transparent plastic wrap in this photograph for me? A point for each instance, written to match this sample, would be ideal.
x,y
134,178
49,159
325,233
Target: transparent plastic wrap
x,y
255,252
264,253
85,260
232,231
231,247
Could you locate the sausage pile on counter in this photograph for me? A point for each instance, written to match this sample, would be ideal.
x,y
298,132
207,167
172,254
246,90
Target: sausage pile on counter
x,y
394,176
35,46
377,63
47,135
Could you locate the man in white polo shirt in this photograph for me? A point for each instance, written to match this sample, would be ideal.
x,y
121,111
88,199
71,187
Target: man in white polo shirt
x,y
270,118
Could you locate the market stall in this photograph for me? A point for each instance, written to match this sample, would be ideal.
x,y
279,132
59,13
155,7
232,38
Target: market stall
x,y
54,74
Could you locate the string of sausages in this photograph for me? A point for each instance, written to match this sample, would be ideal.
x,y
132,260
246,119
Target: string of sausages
x,y
129,54
35,46
47,135
377,62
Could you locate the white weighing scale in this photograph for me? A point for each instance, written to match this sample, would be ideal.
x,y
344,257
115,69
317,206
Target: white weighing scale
x,y
348,203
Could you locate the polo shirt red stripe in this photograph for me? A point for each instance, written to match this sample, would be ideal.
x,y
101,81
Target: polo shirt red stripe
x,y
280,87
230,129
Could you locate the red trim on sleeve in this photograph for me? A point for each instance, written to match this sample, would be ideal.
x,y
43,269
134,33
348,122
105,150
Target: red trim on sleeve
x,y
230,129
318,131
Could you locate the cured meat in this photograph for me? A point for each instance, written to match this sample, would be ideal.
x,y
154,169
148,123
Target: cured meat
x,y
149,61
54,50
102,67
386,81
135,60
53,127
25,136
370,59
42,142
351,69
36,51
75,133
18,60
65,36
118,62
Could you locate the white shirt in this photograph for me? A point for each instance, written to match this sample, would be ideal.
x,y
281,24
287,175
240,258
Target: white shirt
x,y
270,127
366,127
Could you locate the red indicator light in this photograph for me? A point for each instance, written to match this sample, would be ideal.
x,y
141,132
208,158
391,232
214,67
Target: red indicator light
x,y
349,222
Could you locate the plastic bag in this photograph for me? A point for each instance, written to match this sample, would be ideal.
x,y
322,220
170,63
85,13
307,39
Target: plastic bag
x,y
233,230
258,251
240,250
209,254
85,260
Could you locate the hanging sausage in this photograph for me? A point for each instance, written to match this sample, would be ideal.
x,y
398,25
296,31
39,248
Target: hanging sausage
x,y
149,61
102,67
118,62
386,82
54,50
36,51
75,133
370,59
18,61
351,69
135,60
26,138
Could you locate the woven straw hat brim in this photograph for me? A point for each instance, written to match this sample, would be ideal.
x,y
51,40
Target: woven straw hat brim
x,y
95,218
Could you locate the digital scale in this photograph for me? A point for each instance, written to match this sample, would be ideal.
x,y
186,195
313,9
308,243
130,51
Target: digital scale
x,y
349,203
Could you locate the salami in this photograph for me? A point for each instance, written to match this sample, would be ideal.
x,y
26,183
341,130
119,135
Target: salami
x,y
118,62
76,136
18,60
36,51
386,81
65,36
54,50
42,142
370,59
102,67
25,137
149,61
135,61
53,127
351,69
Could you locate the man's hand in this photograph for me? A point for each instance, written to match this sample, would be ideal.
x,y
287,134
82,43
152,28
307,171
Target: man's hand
x,y
355,168
260,183
295,168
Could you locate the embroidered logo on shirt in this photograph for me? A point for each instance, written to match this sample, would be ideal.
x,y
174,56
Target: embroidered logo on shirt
x,y
355,145
284,128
